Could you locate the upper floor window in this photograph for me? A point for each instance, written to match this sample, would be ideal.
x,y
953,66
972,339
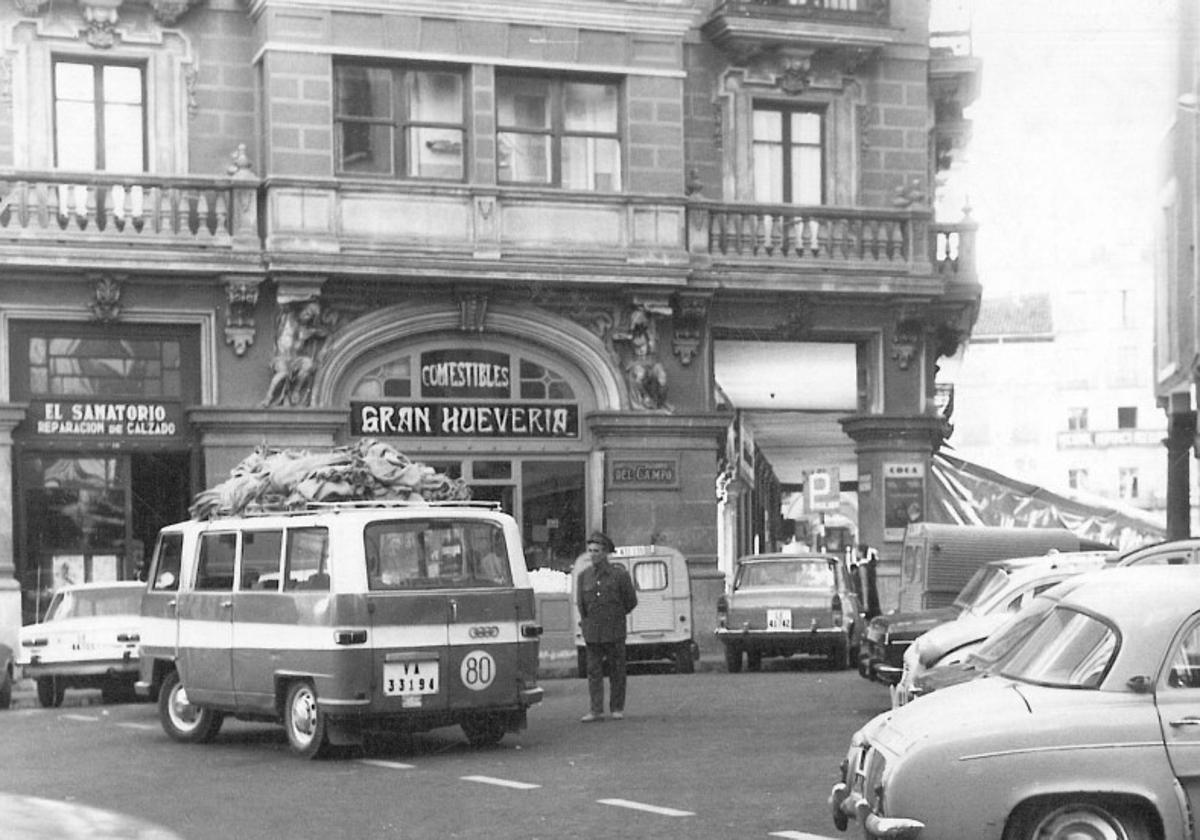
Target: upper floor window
x,y
1127,417
559,133
789,155
1127,483
391,121
99,116
1077,419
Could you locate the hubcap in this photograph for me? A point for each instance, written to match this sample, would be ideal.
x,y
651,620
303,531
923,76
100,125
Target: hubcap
x,y
304,715
1080,824
183,711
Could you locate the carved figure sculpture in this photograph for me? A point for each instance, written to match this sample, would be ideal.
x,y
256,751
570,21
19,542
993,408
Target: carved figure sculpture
x,y
644,373
300,333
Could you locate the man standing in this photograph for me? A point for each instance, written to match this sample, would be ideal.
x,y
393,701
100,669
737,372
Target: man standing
x,y
605,595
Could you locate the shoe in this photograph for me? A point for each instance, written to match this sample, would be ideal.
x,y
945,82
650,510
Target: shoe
x,y
618,716
591,718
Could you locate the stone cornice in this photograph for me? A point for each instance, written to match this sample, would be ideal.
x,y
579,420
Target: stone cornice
x,y
659,17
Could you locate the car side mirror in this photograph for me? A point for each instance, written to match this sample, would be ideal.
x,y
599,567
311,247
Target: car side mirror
x,y
1140,684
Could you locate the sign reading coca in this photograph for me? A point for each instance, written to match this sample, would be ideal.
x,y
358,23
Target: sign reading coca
x,y
466,374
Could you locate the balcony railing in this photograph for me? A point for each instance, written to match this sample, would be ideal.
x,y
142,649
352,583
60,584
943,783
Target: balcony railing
x,y
845,11
128,208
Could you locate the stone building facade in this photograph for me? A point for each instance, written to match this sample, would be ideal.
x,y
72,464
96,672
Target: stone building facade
x,y
510,239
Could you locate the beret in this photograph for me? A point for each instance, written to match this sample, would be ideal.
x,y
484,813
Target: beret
x,y
601,539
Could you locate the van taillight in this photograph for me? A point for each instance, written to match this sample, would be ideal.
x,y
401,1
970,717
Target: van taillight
x,y
350,637
836,607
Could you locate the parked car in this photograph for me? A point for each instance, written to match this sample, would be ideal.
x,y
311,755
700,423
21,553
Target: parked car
x,y
784,604
88,639
1086,729
6,676
991,587
1009,585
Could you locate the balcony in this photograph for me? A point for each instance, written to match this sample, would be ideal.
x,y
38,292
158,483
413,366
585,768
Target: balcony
x,y
743,28
211,225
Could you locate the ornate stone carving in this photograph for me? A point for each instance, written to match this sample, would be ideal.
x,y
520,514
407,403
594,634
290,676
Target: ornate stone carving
x,y
168,12
190,77
795,75
691,313
106,298
637,346
240,327
32,8
100,17
6,79
797,322
906,337
301,330
472,309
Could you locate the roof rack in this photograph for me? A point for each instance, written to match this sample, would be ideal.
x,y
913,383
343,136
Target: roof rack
x,y
358,504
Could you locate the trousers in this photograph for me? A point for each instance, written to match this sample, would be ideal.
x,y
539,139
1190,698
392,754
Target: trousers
x,y
614,654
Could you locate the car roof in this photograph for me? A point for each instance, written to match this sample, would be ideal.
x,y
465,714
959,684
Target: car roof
x,y
763,558
1127,592
1056,560
1159,547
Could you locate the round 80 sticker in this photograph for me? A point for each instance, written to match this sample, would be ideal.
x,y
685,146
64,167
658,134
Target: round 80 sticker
x,y
478,670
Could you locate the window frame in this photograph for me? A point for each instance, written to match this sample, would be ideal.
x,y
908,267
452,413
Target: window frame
x,y
557,130
98,105
786,145
399,120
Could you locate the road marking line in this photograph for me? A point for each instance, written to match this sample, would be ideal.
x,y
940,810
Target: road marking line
x,y
641,806
89,718
508,783
391,765
138,725
799,835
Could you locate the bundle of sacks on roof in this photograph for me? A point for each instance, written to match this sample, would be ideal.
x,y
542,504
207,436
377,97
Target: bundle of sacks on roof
x,y
288,479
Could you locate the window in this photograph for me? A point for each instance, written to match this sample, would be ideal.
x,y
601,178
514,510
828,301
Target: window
x,y
391,121
788,155
1077,479
260,559
1127,417
650,576
1127,483
558,133
307,559
1077,419
168,564
99,116
214,572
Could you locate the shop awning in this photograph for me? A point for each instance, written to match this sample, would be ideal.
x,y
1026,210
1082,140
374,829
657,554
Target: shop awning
x,y
968,494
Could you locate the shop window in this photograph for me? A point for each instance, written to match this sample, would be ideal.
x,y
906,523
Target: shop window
x,y
789,154
64,366
558,133
399,121
99,116
552,505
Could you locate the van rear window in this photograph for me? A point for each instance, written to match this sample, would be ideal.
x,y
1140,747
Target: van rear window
x,y
433,553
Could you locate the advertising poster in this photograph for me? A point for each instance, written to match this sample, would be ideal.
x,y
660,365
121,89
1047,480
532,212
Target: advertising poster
x,y
903,498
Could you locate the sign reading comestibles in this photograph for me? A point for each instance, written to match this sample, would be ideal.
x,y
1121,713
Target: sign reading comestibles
x,y
101,419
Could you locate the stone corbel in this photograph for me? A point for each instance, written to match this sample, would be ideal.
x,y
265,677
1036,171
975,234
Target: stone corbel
x,y
240,327
106,297
167,12
32,8
906,338
101,19
797,322
691,313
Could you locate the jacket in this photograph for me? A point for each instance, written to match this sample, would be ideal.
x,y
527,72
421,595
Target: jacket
x,y
604,595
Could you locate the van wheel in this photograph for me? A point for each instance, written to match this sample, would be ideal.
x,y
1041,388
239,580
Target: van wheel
x,y
483,730
733,659
181,720
304,721
50,692
684,662
1058,821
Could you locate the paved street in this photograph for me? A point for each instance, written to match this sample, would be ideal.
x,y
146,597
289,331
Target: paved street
x,y
709,755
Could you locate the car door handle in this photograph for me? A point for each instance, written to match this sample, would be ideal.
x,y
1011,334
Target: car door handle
x,y
1187,721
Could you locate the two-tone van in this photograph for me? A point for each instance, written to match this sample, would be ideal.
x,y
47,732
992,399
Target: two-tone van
x,y
341,619
660,626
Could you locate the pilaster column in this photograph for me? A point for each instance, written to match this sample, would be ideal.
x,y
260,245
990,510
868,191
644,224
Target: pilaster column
x,y
10,589
894,456
1180,441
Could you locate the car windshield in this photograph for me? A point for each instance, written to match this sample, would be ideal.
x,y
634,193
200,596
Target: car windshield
x,y
94,602
1001,642
806,574
1068,649
986,581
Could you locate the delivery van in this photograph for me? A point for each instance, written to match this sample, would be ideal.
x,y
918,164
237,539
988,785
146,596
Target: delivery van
x,y
339,619
660,626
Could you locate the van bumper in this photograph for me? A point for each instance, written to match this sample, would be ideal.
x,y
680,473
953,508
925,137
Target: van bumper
x,y
532,696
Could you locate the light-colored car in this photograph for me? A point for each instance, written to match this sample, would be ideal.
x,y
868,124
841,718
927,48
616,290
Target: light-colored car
x,y
1005,587
1089,728
88,639
784,604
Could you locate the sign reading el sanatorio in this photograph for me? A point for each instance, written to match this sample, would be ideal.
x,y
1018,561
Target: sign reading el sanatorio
x,y
498,420
102,419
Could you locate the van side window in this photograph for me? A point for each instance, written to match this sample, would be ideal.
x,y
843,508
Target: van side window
x,y
167,562
650,575
306,563
260,559
214,572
